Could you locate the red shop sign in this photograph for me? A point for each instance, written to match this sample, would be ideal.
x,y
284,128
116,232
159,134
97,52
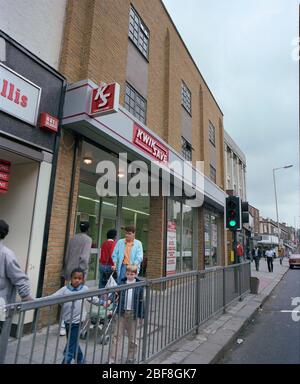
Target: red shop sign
x,y
48,122
149,144
4,176
4,166
3,186
105,99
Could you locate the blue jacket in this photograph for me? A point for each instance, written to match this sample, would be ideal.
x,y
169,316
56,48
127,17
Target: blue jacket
x,y
136,254
138,296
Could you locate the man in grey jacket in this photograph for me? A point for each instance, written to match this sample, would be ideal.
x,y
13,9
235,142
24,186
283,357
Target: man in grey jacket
x,y
78,252
12,278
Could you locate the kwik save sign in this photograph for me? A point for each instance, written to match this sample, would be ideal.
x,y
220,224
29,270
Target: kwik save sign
x,y
4,175
19,97
149,144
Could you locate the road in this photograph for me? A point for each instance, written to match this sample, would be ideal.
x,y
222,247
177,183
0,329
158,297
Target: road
x,y
272,337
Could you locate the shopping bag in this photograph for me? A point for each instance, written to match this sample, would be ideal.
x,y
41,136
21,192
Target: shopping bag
x,y
111,282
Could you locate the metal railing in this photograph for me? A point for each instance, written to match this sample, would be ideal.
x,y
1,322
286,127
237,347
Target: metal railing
x,y
164,310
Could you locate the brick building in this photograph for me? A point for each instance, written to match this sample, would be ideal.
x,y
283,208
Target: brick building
x,y
164,96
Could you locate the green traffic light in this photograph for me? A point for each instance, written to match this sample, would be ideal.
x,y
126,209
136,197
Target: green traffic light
x,y
232,223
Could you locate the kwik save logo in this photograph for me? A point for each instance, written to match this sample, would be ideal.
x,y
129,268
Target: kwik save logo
x,y
105,99
147,142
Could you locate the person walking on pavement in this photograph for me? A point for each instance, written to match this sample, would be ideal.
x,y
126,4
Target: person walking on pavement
x,y
73,314
240,252
106,265
77,256
256,254
12,278
128,251
270,255
280,255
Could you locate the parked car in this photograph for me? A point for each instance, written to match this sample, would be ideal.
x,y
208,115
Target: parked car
x,y
294,260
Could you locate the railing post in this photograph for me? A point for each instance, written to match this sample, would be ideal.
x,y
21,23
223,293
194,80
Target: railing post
x,y
240,281
4,336
146,321
197,303
224,290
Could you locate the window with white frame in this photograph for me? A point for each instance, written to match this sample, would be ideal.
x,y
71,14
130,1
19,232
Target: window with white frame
x,y
212,133
186,149
135,103
138,32
186,98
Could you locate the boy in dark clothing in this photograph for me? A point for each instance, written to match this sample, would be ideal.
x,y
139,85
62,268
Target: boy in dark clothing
x,y
130,308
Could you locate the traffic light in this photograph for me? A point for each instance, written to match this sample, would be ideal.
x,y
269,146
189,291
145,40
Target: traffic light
x,y
245,212
233,213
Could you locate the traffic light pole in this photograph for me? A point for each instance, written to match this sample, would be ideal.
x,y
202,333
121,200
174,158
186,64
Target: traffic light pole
x,y
235,246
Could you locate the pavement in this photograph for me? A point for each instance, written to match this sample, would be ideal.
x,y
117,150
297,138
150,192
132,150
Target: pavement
x,y
216,336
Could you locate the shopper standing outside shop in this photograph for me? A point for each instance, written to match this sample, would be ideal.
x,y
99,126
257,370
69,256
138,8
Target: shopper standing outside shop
x,y
127,251
78,252
106,265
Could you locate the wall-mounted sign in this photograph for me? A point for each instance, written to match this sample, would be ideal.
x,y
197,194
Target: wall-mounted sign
x,y
4,175
171,248
19,97
149,144
105,99
48,122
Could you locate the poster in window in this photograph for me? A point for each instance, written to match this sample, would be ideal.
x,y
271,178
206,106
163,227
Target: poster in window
x,y
171,248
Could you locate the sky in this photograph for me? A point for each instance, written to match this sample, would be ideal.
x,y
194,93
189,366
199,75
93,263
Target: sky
x,y
245,51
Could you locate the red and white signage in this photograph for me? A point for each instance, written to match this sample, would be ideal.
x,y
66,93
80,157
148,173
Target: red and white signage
x,y
48,122
18,96
149,144
171,248
105,99
4,175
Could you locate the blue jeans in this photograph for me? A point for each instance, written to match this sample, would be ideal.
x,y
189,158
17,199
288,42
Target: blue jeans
x,y
104,272
122,273
70,354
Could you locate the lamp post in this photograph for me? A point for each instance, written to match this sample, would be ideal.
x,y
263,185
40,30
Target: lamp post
x,y
275,169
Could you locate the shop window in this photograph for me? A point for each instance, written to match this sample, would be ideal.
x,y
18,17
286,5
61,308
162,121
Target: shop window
x,y
135,103
186,149
138,32
179,256
186,98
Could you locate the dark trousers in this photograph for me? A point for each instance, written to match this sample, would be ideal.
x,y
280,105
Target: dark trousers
x,y
70,350
104,271
256,260
270,263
